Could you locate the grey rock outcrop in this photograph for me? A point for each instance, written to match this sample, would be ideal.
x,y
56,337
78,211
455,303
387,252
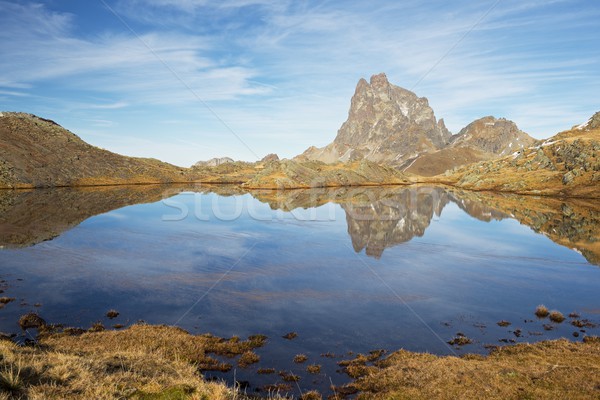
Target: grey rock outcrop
x,y
497,136
213,162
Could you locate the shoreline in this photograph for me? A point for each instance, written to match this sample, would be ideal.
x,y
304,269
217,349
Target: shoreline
x,y
157,361
240,185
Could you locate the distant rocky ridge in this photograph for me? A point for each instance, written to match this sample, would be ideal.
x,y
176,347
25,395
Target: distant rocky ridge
x,y
213,162
391,125
492,135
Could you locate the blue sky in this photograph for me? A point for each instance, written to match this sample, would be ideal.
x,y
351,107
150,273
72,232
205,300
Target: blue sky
x,y
187,80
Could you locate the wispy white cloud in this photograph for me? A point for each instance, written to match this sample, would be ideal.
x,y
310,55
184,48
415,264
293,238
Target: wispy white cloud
x,y
101,123
14,93
144,68
112,106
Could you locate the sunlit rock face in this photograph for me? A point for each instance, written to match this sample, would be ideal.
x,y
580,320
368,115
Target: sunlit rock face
x,y
497,136
386,123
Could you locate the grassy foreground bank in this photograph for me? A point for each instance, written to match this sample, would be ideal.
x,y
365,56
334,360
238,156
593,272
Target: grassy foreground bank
x,y
158,362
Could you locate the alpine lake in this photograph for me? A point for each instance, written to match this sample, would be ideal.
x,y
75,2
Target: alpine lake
x,y
348,270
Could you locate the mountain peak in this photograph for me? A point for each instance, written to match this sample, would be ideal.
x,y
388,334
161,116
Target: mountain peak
x,y
493,135
380,81
386,123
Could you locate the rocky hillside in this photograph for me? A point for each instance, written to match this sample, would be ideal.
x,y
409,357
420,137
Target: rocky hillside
x,y
288,174
492,135
567,164
386,124
483,139
36,152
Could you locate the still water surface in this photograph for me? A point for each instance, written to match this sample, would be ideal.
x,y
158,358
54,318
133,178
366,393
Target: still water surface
x,y
349,270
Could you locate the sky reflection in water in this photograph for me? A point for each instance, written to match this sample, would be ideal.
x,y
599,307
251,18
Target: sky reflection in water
x,y
348,270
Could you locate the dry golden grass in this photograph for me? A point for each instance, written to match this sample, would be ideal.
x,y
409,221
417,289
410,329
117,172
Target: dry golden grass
x,y
61,373
300,358
159,362
313,369
542,311
312,395
547,370
141,362
248,358
556,316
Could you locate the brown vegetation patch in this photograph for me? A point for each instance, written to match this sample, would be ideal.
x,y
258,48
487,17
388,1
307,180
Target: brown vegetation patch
x,y
542,311
300,358
460,340
552,369
84,367
313,369
556,316
265,371
290,335
289,377
312,395
248,358
31,320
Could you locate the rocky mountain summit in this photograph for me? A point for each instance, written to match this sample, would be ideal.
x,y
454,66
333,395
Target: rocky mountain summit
x,y
497,136
391,125
269,157
386,124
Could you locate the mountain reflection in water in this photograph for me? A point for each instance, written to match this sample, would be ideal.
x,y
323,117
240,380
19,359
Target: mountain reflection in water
x,y
377,218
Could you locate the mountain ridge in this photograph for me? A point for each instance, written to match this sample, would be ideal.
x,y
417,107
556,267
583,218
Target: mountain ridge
x,y
392,125
37,152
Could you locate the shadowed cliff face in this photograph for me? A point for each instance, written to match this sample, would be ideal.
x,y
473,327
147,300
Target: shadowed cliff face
x,y
377,218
